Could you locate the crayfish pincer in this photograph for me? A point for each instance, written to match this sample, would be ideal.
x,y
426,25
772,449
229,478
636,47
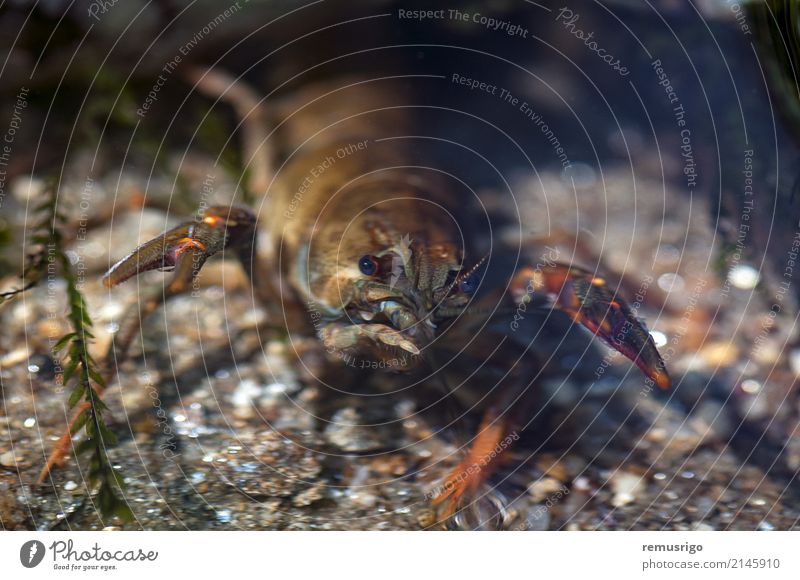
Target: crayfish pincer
x,y
387,261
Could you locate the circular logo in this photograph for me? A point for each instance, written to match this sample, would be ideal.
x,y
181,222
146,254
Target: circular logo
x,y
31,553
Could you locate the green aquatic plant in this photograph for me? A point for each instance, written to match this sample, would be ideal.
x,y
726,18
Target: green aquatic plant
x,y
48,259
777,30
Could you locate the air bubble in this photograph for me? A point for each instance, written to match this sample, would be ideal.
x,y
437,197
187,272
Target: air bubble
x,y
659,338
744,277
671,282
751,387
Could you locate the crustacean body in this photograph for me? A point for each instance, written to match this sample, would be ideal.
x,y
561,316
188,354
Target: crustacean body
x,y
387,258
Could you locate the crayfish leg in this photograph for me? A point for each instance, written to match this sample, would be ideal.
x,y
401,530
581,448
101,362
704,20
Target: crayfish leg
x,y
464,483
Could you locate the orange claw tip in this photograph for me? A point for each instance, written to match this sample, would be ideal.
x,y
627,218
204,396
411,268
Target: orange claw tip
x,y
659,376
119,273
111,278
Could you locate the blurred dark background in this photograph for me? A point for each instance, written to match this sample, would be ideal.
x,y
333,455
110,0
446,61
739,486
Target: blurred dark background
x,y
89,66
709,195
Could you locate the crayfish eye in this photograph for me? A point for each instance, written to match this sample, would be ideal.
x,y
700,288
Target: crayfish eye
x,y
469,284
368,265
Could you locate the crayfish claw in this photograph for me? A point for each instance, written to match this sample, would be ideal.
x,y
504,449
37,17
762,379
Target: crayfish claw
x,y
589,300
160,253
199,240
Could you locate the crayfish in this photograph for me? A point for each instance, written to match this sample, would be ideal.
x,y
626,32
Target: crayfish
x,y
388,259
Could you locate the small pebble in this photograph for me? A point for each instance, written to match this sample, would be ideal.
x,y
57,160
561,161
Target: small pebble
x,y
705,506
365,499
70,485
581,484
14,357
794,361
719,353
537,520
27,187
765,526
751,387
703,527
245,393
8,459
426,517
346,432
309,496
540,489
625,486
